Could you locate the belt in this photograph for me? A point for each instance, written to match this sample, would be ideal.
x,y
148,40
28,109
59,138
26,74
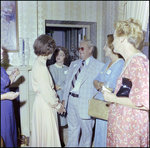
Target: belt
x,y
74,95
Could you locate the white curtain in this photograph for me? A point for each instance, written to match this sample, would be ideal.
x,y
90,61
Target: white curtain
x,y
109,17
135,9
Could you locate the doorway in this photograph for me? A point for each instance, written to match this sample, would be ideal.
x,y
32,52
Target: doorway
x,y
69,33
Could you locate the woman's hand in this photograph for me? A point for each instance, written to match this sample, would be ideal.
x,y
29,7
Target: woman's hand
x,y
15,72
10,95
57,87
110,97
54,105
61,109
12,76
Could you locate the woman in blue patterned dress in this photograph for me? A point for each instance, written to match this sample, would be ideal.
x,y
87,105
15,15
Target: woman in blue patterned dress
x,y
8,121
109,74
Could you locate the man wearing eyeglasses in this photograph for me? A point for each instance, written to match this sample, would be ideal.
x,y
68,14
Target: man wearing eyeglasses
x,y
78,90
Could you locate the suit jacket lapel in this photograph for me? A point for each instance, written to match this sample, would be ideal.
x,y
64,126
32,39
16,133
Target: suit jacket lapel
x,y
75,68
88,70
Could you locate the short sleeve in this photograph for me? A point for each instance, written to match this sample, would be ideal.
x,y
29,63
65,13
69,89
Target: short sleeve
x,y
98,77
139,74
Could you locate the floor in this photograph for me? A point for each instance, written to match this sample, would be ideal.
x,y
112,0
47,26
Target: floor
x,y
65,136
24,141
21,143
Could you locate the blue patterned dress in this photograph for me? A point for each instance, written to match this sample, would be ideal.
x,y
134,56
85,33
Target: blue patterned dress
x,y
106,75
8,122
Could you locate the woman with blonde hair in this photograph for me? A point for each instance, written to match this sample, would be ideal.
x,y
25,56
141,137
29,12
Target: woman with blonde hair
x,y
128,121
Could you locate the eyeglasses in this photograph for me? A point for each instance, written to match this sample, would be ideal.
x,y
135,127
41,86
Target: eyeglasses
x,y
61,55
80,48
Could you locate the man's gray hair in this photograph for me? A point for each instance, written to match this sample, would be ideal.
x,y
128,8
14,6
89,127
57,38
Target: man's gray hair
x,y
90,43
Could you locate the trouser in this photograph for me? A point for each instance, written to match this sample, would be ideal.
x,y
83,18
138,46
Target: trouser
x,y
75,124
100,136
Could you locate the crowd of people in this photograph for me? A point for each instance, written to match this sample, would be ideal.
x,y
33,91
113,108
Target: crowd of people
x,y
62,93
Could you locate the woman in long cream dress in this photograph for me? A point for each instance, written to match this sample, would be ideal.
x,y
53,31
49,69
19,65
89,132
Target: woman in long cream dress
x,y
46,104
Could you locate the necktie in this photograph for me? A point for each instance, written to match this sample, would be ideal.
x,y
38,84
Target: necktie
x,y
76,75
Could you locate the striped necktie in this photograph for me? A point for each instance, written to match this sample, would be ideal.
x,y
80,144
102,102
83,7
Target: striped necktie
x,y
76,75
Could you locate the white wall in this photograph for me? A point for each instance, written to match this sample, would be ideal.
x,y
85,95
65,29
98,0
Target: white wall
x,y
32,16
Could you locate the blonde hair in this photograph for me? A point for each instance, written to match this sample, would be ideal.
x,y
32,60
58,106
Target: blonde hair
x,y
132,29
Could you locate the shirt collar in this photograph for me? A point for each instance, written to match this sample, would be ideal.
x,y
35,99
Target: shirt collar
x,y
58,66
43,57
87,60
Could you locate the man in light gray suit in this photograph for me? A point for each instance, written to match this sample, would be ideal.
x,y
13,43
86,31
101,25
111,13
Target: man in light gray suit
x,y
78,90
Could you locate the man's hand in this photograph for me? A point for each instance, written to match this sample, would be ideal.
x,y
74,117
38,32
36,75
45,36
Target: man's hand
x,y
61,110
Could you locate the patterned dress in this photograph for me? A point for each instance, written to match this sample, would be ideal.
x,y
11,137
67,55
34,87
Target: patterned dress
x,y
128,127
8,121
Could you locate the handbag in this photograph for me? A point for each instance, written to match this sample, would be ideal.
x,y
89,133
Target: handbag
x,y
125,88
98,108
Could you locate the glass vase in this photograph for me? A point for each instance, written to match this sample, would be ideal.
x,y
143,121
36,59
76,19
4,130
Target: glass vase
x,y
27,51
